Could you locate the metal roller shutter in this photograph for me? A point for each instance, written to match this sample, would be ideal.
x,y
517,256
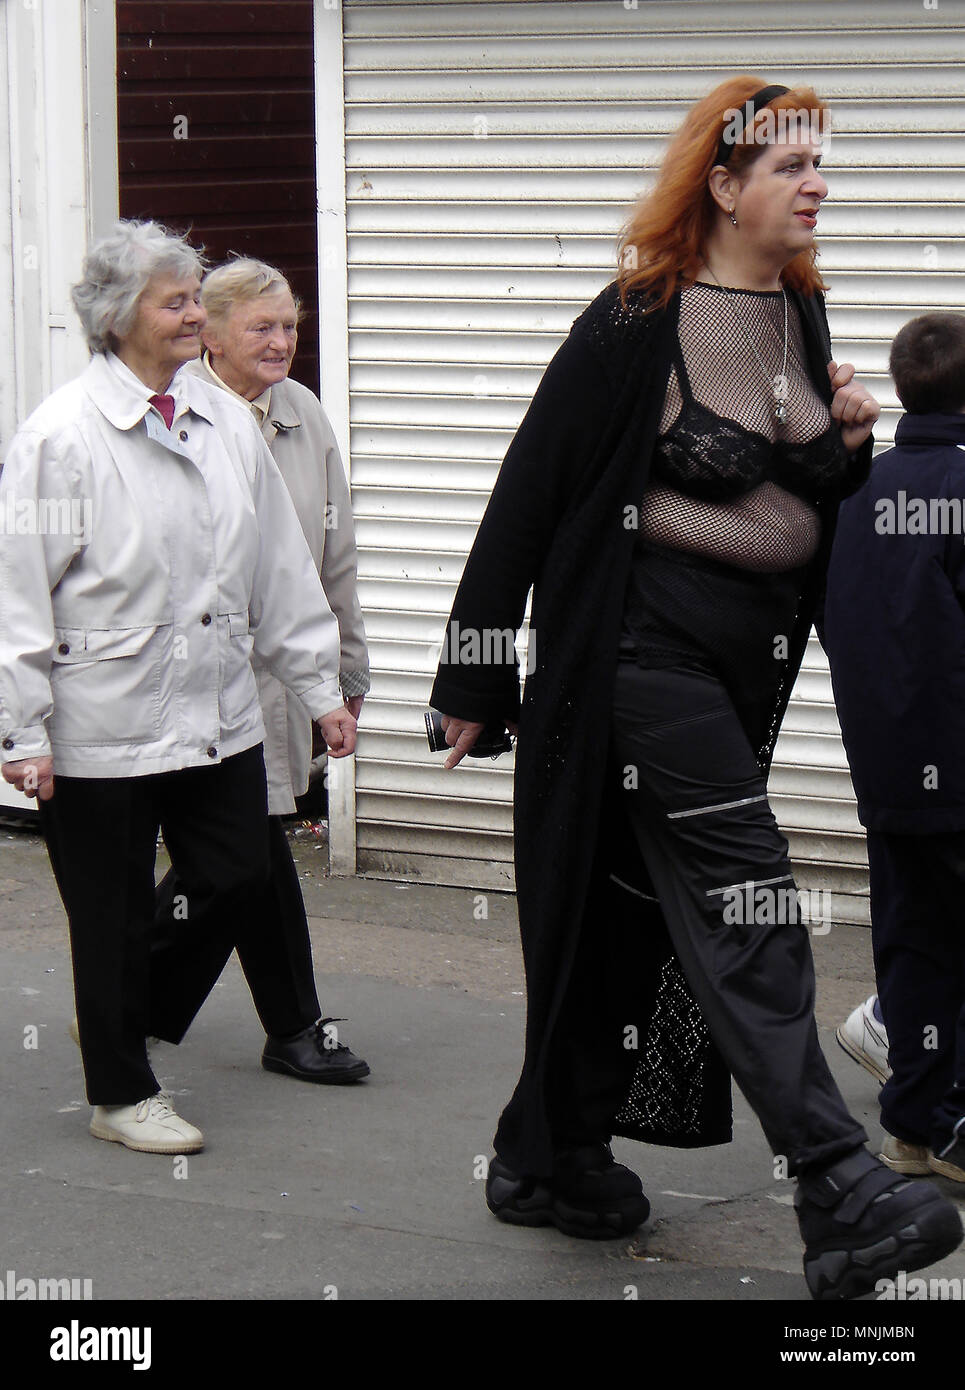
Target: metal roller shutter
x,y
492,153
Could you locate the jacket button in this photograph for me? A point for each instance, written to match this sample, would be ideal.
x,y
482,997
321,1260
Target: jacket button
x,y
183,436
8,743
206,619
212,752
64,648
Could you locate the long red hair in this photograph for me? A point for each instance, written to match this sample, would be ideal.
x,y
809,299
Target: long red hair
x,y
662,244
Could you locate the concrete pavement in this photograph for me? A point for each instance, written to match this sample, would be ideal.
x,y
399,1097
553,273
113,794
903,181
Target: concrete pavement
x,y
373,1191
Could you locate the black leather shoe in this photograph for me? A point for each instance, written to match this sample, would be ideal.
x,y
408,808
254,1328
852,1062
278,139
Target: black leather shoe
x,y
590,1196
861,1222
315,1055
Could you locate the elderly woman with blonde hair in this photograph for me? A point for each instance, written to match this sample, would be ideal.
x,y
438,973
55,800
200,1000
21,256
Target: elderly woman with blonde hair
x,y
249,339
127,697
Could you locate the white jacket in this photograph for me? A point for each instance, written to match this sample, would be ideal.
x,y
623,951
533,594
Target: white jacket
x,y
302,443
139,569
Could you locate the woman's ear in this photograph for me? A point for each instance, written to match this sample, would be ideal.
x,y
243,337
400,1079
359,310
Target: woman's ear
x,y
724,188
212,341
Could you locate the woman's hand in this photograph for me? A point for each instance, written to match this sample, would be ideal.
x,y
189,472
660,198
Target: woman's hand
x,y
461,735
338,730
854,408
353,703
33,777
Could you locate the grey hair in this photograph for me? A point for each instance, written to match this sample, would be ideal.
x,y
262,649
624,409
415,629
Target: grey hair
x,y
117,270
240,279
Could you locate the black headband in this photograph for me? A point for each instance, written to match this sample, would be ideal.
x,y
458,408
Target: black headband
x,y
745,114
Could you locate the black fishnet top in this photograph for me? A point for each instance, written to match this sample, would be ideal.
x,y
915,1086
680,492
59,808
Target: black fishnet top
x,y
729,520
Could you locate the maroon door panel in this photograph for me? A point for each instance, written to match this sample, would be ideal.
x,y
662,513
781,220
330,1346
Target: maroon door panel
x,y
216,133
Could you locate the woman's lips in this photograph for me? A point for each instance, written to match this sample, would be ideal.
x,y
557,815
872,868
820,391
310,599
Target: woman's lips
x,y
809,218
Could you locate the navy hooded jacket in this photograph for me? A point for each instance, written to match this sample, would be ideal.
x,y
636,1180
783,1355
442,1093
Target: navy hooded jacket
x,y
894,630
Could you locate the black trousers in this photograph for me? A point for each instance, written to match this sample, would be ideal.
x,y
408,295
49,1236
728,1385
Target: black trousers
x,y
102,840
272,940
918,935
698,807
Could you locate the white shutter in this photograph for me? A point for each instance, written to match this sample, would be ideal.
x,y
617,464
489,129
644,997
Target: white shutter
x,y
493,152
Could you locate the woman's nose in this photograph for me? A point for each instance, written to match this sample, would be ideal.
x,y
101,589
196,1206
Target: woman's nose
x,y
818,185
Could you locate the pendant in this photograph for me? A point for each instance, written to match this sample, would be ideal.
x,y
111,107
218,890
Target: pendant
x,y
780,411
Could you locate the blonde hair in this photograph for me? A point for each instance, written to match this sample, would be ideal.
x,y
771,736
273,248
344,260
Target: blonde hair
x,y
242,278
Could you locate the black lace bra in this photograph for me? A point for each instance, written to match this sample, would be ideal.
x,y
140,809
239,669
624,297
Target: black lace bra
x,y
715,458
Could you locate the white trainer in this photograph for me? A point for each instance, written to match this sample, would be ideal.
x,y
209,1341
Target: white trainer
x,y
902,1157
866,1040
151,1126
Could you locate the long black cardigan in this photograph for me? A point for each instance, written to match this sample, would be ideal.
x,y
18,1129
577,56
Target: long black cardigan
x,y
604,992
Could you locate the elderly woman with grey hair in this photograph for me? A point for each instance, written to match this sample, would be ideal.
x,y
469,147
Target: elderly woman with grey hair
x,y
250,338
127,697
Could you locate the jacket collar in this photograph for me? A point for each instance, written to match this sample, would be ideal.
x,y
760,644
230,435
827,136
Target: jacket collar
x,y
283,414
123,400
939,428
260,407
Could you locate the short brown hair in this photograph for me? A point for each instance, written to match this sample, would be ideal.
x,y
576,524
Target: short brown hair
x,y
927,362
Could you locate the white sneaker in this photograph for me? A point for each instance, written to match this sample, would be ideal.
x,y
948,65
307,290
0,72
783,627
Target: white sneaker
x,y
151,1126
866,1040
902,1157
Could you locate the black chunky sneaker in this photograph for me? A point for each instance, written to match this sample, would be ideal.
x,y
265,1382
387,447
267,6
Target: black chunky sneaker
x,y
315,1055
590,1196
516,1199
861,1222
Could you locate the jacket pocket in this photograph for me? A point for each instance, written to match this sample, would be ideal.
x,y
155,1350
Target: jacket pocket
x,y
106,686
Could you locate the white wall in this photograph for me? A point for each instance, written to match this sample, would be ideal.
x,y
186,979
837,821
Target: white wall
x,y
59,150
58,185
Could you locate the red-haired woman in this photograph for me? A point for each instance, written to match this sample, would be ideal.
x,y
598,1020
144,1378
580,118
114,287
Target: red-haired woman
x,y
670,496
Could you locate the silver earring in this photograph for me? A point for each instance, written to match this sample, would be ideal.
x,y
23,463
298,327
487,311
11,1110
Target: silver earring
x,y
732,217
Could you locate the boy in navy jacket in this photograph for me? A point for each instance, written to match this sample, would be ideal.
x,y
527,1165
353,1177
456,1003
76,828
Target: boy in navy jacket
x,y
894,632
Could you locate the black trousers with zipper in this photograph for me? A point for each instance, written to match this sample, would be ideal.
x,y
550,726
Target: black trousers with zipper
x,y
697,803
